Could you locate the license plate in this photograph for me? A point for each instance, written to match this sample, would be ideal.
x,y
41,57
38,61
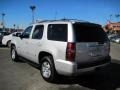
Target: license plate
x,y
96,51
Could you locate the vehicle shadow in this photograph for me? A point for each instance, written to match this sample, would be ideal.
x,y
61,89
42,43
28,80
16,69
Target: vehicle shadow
x,y
105,79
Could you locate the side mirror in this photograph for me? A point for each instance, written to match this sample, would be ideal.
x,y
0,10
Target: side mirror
x,y
16,34
24,36
21,36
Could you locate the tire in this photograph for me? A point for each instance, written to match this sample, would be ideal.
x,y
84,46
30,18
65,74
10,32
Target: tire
x,y
8,43
47,69
14,55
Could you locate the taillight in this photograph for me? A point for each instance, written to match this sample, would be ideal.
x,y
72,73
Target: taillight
x,y
70,51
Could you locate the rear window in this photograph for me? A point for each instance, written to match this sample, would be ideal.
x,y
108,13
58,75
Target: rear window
x,y
57,32
89,33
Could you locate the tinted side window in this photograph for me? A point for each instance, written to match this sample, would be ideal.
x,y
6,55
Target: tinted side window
x,y
57,32
27,31
38,32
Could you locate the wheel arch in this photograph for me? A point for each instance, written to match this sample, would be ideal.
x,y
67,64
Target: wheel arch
x,y
42,54
12,44
8,42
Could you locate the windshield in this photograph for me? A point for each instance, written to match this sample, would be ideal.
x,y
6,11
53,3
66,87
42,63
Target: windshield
x,y
89,33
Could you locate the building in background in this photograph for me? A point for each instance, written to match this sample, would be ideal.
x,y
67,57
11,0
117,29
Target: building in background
x,y
112,27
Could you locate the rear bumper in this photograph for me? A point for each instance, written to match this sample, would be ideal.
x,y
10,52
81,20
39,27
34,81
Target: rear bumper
x,y
71,68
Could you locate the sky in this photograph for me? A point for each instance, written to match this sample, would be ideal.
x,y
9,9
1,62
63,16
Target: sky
x,y
97,11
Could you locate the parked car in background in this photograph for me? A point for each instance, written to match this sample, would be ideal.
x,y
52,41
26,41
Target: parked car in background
x,y
6,40
2,34
116,39
110,36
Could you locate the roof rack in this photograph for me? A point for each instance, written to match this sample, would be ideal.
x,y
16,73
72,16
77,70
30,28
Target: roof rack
x,y
74,20
64,19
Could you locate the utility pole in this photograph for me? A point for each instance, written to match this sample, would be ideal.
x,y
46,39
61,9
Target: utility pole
x,y
3,14
55,15
33,9
110,17
117,16
14,27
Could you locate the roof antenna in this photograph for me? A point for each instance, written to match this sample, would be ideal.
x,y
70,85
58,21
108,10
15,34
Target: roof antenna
x,y
64,18
56,14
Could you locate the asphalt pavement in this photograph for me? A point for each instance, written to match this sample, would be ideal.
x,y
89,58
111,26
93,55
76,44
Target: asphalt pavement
x,y
22,76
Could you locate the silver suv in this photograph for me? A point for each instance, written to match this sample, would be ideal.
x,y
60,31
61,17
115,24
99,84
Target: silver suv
x,y
67,47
